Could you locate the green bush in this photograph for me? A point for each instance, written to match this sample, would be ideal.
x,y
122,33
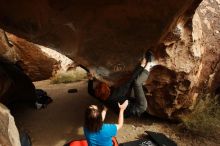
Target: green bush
x,y
68,77
205,117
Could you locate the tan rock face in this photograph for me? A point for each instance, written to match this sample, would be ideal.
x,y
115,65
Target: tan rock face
x,y
94,33
113,35
190,60
9,135
207,39
36,64
19,60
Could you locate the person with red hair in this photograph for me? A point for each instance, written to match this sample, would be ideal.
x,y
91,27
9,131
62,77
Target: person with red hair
x,y
110,96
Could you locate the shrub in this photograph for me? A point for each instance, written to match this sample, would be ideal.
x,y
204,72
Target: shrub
x,y
205,117
68,77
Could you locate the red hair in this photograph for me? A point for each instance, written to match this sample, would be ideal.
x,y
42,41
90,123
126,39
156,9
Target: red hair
x,y
102,91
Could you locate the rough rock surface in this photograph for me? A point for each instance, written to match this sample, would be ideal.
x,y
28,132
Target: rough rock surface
x,y
36,64
191,63
107,33
206,38
9,135
113,35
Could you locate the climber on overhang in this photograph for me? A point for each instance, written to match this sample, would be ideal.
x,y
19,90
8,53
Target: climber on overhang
x,y
111,96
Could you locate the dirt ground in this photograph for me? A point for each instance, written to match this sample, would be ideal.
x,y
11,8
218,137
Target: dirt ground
x,y
62,120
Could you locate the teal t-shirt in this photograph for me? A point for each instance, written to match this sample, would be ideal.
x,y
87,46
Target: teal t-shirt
x,y
103,137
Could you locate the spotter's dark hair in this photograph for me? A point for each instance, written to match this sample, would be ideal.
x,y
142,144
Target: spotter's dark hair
x,y
93,119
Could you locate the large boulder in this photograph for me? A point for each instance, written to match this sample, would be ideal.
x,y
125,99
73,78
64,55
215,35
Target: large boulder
x,y
9,135
35,63
112,35
190,59
108,33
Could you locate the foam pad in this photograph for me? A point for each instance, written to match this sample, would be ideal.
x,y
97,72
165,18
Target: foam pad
x,y
84,142
79,143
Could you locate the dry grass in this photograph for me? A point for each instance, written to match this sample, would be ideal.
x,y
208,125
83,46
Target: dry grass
x,y
205,117
68,77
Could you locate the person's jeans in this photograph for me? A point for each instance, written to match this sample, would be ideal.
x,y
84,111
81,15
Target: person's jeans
x,y
137,106
140,103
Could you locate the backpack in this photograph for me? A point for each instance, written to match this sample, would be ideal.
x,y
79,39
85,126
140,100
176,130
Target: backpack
x,y
42,99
